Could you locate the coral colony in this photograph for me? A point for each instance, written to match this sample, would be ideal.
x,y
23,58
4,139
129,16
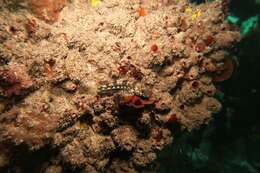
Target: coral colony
x,y
100,85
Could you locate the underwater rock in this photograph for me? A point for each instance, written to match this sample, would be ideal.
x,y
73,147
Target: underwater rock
x,y
102,89
14,79
53,169
48,10
144,123
125,137
88,148
69,86
121,166
143,155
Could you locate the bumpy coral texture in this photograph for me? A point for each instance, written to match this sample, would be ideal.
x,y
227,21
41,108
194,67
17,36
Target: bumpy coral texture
x,y
55,56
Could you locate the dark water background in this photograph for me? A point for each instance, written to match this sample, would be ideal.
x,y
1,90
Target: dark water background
x,y
231,142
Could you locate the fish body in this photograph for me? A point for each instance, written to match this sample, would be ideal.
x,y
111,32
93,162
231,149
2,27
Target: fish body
x,y
125,87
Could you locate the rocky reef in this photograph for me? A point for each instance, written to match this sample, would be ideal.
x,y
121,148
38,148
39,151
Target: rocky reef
x,y
104,86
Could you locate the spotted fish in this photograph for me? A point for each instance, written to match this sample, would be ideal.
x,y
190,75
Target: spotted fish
x,y
124,86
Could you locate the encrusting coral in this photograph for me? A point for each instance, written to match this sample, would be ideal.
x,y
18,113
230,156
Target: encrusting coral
x,y
102,86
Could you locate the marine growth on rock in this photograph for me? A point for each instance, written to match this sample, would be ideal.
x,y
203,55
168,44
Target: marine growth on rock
x,y
98,85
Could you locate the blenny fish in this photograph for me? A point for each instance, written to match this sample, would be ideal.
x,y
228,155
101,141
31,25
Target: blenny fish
x,y
123,86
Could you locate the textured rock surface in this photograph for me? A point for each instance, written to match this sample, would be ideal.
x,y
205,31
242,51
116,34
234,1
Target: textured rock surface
x,y
104,85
